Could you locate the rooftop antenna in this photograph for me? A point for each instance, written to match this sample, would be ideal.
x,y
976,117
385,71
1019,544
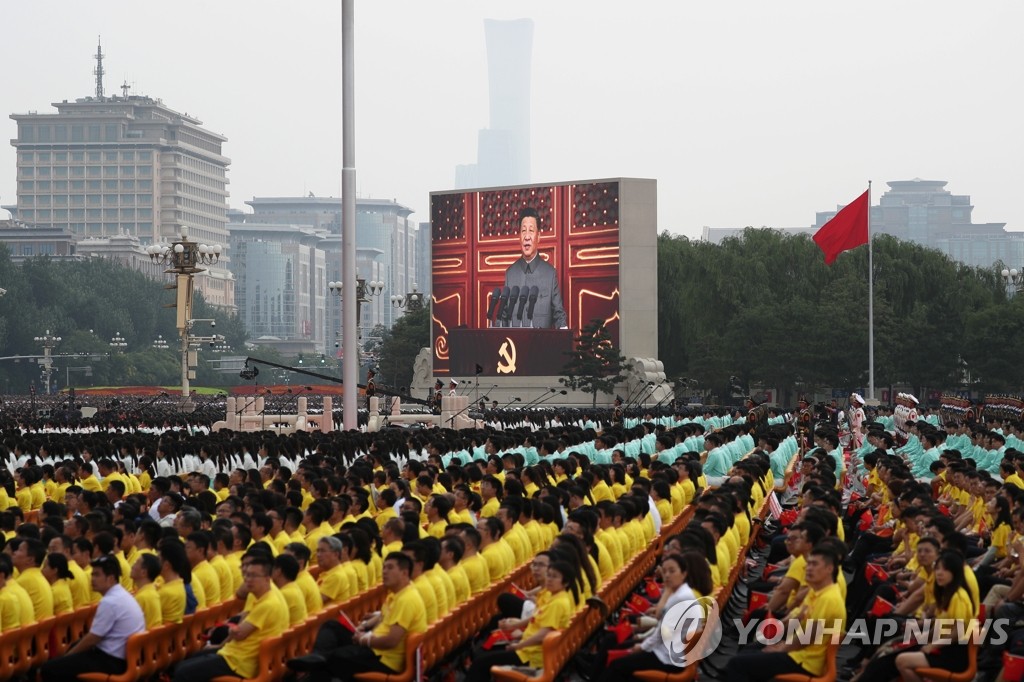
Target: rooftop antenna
x,y
125,88
99,69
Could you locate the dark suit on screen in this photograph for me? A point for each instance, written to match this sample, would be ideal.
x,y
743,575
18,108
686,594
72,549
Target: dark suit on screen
x,y
548,312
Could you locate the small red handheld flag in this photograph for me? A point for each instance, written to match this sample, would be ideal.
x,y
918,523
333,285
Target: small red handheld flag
x,y
848,230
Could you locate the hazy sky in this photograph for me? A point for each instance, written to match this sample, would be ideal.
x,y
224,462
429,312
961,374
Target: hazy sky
x,y
746,113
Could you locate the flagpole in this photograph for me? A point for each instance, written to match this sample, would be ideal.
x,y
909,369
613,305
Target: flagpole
x,y
871,306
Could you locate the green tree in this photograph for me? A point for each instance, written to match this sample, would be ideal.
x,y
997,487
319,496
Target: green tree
x,y
86,303
595,364
400,346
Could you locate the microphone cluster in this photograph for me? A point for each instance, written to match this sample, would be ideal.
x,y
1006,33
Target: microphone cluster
x,y
509,304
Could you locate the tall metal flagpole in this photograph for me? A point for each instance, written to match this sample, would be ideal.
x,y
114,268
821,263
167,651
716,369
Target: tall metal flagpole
x,y
871,306
350,298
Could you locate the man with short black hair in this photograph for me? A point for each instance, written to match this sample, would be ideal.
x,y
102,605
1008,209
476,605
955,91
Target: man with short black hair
x,y
378,643
102,649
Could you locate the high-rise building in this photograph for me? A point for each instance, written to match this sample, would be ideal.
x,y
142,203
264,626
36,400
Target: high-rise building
x,y
387,246
281,285
105,166
503,148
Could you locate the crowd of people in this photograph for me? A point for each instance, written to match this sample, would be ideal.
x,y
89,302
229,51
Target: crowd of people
x,y
157,520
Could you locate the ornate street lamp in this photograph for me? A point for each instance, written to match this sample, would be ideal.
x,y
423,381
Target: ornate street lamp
x,y
364,291
1014,280
49,342
183,258
118,343
412,301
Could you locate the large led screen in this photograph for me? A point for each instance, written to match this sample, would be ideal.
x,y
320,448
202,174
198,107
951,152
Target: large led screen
x,y
517,272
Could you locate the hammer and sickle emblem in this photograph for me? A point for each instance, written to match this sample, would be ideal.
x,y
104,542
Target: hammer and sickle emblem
x,y
508,357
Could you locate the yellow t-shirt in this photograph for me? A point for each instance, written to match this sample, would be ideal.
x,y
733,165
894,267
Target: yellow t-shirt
x,y
10,610
334,584
80,587
38,591
220,566
310,592
423,585
798,572
269,614
404,608
62,601
460,581
204,574
26,612
495,558
477,572
827,608
1001,539
555,613
148,599
172,601
960,610
295,600
490,508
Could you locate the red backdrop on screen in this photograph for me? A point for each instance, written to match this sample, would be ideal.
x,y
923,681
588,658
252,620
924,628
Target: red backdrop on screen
x,y
475,237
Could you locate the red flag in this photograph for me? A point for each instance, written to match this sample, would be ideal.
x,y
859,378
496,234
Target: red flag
x,y
849,229
880,607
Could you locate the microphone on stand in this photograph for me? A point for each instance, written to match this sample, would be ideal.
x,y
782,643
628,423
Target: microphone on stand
x,y
646,394
534,293
495,297
499,312
513,296
635,397
524,295
511,400
634,394
562,392
468,383
539,398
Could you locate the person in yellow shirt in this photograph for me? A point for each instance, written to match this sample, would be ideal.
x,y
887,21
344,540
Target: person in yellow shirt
x,y
490,530
491,491
87,479
307,585
55,570
452,551
334,577
239,655
196,548
379,642
823,613
286,570
952,614
173,598
552,615
28,558
145,570
11,595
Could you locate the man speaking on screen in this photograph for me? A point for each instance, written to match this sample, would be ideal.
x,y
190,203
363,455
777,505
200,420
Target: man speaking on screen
x,y
530,270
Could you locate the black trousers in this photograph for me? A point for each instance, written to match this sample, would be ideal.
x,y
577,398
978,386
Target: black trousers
x,y
480,670
760,667
92,661
623,668
202,667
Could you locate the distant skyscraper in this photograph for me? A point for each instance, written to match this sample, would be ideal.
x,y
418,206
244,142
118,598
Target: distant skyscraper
x,y
104,166
503,148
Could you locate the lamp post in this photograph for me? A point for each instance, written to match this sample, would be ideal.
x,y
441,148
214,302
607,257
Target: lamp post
x,y
412,301
118,343
160,343
49,342
183,258
365,292
1014,280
